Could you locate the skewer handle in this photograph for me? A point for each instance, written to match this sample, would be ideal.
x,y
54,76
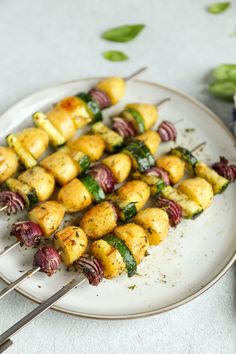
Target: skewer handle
x,y
9,248
41,308
5,345
18,281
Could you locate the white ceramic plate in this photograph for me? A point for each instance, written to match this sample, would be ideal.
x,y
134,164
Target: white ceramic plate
x,y
195,254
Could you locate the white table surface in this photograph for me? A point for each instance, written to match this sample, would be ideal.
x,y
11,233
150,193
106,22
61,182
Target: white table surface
x,y
44,42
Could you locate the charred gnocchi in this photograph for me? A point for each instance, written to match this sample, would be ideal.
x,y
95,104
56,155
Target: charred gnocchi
x,y
155,222
198,190
8,163
91,145
48,216
119,165
35,140
71,242
173,165
63,167
40,180
99,220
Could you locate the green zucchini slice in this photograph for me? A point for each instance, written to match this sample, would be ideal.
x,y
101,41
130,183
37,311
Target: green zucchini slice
x,y
128,211
219,183
112,140
26,158
28,193
92,106
133,116
93,188
41,121
140,155
190,209
185,155
155,183
83,161
125,253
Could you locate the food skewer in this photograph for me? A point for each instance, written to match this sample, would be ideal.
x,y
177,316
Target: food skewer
x,y
76,155
80,151
41,308
40,224
156,184
98,249
61,124
104,180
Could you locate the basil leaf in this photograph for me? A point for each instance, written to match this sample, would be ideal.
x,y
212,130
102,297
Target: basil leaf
x,y
115,55
218,7
224,89
123,33
225,71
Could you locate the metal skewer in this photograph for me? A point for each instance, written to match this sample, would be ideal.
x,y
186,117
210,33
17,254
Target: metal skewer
x,y
3,208
18,281
199,146
5,345
41,309
136,73
158,104
9,248
29,273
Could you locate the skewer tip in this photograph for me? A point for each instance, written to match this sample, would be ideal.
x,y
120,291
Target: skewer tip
x,y
158,104
136,73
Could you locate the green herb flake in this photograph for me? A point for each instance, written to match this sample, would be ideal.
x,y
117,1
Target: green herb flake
x,y
218,7
115,55
132,287
189,130
123,33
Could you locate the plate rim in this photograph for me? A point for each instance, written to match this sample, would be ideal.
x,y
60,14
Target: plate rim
x,y
172,306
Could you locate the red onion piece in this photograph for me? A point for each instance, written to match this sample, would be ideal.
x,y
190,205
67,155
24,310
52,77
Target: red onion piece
x,y
224,169
122,127
173,210
27,232
159,172
100,97
91,268
167,131
12,201
48,259
104,177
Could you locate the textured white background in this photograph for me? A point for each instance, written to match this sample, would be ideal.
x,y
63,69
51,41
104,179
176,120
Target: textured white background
x,y
44,42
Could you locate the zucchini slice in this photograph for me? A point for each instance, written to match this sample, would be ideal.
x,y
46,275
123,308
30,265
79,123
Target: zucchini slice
x,y
133,116
112,140
41,121
140,154
93,187
155,183
92,106
185,155
82,159
219,183
125,253
128,211
28,193
26,158
190,209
